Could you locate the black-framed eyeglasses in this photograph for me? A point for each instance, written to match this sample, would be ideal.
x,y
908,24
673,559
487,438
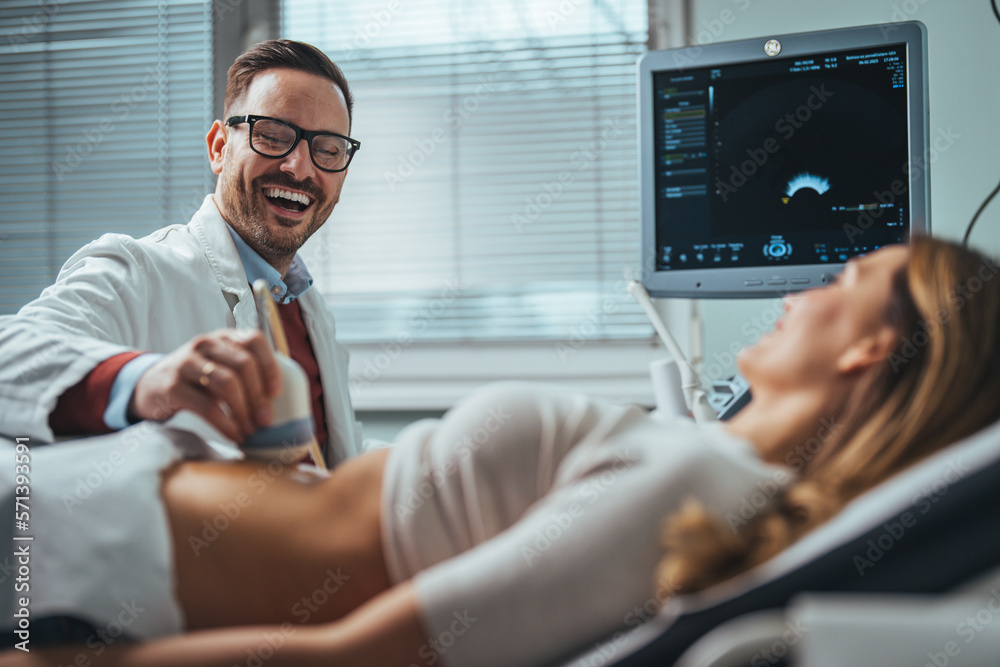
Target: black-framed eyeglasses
x,y
271,137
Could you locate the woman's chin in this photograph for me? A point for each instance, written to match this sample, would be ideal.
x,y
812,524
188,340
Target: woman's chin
x,y
746,361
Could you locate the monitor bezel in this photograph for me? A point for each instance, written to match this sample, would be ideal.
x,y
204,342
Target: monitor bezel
x,y
775,280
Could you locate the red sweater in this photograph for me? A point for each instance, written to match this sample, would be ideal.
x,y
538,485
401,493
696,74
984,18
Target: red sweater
x,y
301,350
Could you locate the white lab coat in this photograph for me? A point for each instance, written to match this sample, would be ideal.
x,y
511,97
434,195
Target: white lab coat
x,y
151,294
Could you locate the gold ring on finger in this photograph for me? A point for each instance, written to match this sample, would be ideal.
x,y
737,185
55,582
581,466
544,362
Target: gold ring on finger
x,y
206,373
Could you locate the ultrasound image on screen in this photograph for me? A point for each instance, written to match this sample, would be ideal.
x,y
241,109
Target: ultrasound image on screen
x,y
798,150
781,157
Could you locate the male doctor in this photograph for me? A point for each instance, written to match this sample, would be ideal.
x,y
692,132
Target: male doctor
x,y
137,329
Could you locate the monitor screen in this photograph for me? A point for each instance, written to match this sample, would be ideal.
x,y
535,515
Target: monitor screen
x,y
768,163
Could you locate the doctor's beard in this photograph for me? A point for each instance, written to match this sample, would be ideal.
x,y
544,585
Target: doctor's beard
x,y
250,213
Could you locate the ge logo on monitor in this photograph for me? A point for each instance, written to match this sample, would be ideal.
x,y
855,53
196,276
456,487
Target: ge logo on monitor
x,y
772,47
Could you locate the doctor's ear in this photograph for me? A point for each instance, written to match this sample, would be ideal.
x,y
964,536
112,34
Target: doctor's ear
x,y
216,139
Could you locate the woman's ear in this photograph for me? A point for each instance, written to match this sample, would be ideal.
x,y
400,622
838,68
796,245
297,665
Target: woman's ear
x,y
216,139
868,351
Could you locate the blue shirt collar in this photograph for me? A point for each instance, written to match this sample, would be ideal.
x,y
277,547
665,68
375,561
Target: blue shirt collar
x,y
297,278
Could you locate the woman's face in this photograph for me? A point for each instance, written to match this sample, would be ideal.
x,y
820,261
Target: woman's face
x,y
828,333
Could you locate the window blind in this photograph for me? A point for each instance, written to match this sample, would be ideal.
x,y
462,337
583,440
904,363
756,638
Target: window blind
x,y
103,107
495,196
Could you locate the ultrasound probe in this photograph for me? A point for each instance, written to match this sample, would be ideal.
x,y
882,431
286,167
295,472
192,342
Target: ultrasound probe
x,y
291,434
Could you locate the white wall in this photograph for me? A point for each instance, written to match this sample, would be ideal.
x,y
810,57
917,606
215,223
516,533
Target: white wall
x,y
963,43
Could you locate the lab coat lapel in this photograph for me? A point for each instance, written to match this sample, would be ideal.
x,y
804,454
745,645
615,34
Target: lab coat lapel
x,y
209,227
344,437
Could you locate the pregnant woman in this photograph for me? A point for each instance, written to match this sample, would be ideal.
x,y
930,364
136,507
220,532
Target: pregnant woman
x,y
526,524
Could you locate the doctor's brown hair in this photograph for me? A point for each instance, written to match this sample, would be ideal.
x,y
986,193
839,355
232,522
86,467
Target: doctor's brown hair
x,y
940,384
281,54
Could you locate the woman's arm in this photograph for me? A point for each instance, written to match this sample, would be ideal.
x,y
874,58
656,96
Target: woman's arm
x,y
385,631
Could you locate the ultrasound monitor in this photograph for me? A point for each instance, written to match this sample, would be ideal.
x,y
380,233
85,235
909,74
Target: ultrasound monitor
x,y
767,163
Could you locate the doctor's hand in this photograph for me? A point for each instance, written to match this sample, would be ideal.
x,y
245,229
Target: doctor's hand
x,y
227,377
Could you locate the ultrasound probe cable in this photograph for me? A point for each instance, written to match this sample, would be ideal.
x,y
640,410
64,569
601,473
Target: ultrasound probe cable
x,y
694,393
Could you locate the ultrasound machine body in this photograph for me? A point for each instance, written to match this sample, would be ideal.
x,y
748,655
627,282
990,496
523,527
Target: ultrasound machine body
x,y
767,163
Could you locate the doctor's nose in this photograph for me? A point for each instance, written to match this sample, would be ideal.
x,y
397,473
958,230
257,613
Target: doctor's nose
x,y
298,164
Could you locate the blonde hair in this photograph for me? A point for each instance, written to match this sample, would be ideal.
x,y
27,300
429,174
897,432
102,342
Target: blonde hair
x,y
940,384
